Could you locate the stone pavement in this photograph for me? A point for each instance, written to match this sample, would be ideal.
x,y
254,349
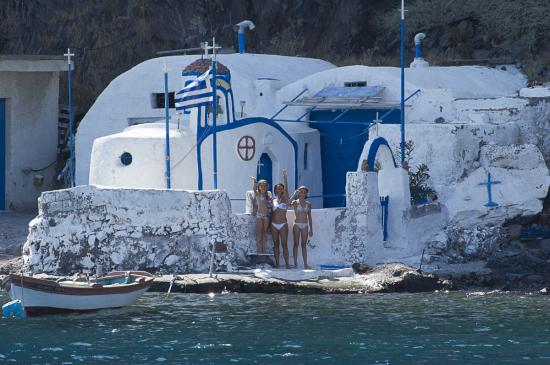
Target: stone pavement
x,y
14,227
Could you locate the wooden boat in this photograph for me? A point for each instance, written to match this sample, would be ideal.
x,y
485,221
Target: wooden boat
x,y
114,290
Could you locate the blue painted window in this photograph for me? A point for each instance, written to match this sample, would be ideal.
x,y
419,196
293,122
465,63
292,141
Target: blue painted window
x,y
126,158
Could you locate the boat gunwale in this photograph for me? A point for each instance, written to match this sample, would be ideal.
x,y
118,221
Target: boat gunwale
x,y
55,288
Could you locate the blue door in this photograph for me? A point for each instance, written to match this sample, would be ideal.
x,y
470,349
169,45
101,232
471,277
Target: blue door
x,y
265,168
341,147
2,154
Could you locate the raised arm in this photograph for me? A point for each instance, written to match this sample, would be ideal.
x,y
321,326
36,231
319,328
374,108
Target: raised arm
x,y
254,185
285,181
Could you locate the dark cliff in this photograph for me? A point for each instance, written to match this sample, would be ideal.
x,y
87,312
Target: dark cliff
x,y
110,36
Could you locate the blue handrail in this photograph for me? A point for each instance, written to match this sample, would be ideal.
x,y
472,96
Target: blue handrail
x,y
286,106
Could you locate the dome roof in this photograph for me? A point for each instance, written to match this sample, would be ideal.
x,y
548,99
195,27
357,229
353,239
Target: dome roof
x,y
203,64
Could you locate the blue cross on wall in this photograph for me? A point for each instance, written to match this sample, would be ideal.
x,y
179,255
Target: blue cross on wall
x,y
489,183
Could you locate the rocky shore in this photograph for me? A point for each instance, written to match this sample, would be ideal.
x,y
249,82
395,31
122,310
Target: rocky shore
x,y
387,278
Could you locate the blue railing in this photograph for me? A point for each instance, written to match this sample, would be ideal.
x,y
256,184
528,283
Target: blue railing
x,y
384,204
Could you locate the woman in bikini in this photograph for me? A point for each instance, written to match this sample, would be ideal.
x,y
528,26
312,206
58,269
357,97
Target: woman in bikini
x,y
303,226
279,225
262,210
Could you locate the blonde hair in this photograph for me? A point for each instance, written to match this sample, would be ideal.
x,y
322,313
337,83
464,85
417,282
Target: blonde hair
x,y
263,181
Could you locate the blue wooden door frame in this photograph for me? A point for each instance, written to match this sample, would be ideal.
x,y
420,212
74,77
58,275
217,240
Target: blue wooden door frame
x,y
265,169
2,154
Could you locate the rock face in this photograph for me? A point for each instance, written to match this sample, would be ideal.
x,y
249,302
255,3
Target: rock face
x,y
395,277
79,228
398,277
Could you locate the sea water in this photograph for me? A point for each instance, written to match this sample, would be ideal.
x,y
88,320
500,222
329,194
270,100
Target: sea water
x,y
230,328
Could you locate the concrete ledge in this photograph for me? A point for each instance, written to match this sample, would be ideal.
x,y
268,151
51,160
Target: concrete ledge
x,y
32,63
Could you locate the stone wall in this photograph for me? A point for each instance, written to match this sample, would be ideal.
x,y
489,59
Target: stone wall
x,y
172,231
158,230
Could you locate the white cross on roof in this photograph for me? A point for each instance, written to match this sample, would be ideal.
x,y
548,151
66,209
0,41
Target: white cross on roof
x,y
68,55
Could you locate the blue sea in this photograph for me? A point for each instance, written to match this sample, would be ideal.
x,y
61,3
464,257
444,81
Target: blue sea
x,y
230,328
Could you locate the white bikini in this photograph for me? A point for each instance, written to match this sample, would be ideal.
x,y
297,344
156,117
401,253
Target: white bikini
x,y
304,210
283,206
261,214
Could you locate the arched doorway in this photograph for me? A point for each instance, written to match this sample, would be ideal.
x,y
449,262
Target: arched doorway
x,y
264,170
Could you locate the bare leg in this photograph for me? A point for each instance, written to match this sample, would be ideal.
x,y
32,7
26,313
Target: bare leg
x,y
283,234
296,235
259,235
304,233
265,227
275,235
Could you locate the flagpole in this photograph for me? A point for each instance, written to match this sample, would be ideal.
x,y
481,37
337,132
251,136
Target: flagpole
x,y
71,143
214,115
402,82
167,114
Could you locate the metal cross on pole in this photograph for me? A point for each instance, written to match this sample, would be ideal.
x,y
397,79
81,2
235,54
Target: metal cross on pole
x,y
375,123
71,143
402,104
206,47
489,184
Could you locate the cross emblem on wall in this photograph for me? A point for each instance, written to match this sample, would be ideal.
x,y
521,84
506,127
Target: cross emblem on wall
x,y
246,148
489,183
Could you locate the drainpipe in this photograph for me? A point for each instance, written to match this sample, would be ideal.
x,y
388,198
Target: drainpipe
x,y
239,28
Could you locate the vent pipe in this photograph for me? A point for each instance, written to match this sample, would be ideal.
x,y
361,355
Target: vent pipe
x,y
418,60
418,44
239,28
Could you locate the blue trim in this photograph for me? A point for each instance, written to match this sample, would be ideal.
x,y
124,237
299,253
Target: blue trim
x,y
384,204
286,105
373,150
241,123
2,154
402,87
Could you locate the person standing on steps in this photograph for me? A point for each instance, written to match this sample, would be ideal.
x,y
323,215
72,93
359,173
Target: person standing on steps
x,y
262,211
303,225
279,224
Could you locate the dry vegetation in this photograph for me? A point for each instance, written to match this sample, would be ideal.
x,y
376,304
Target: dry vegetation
x,y
111,36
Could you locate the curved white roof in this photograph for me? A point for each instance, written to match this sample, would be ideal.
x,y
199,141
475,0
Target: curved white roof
x,y
130,94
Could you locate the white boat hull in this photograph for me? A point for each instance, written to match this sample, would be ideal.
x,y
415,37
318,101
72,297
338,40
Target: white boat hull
x,y
33,298
39,296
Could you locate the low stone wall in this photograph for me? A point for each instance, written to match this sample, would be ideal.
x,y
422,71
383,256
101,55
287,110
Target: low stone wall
x,y
165,230
172,231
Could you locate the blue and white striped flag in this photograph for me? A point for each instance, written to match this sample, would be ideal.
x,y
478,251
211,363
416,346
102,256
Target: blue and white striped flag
x,y
197,93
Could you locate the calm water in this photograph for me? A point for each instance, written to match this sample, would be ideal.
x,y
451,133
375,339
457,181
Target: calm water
x,y
290,329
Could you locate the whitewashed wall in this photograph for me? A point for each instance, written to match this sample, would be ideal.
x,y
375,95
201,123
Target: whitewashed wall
x,y
128,229
172,230
32,107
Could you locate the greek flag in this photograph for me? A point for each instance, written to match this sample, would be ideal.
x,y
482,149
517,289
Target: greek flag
x,y
197,93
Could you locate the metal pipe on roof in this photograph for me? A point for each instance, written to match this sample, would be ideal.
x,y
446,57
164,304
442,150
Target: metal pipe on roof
x,y
239,28
418,44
